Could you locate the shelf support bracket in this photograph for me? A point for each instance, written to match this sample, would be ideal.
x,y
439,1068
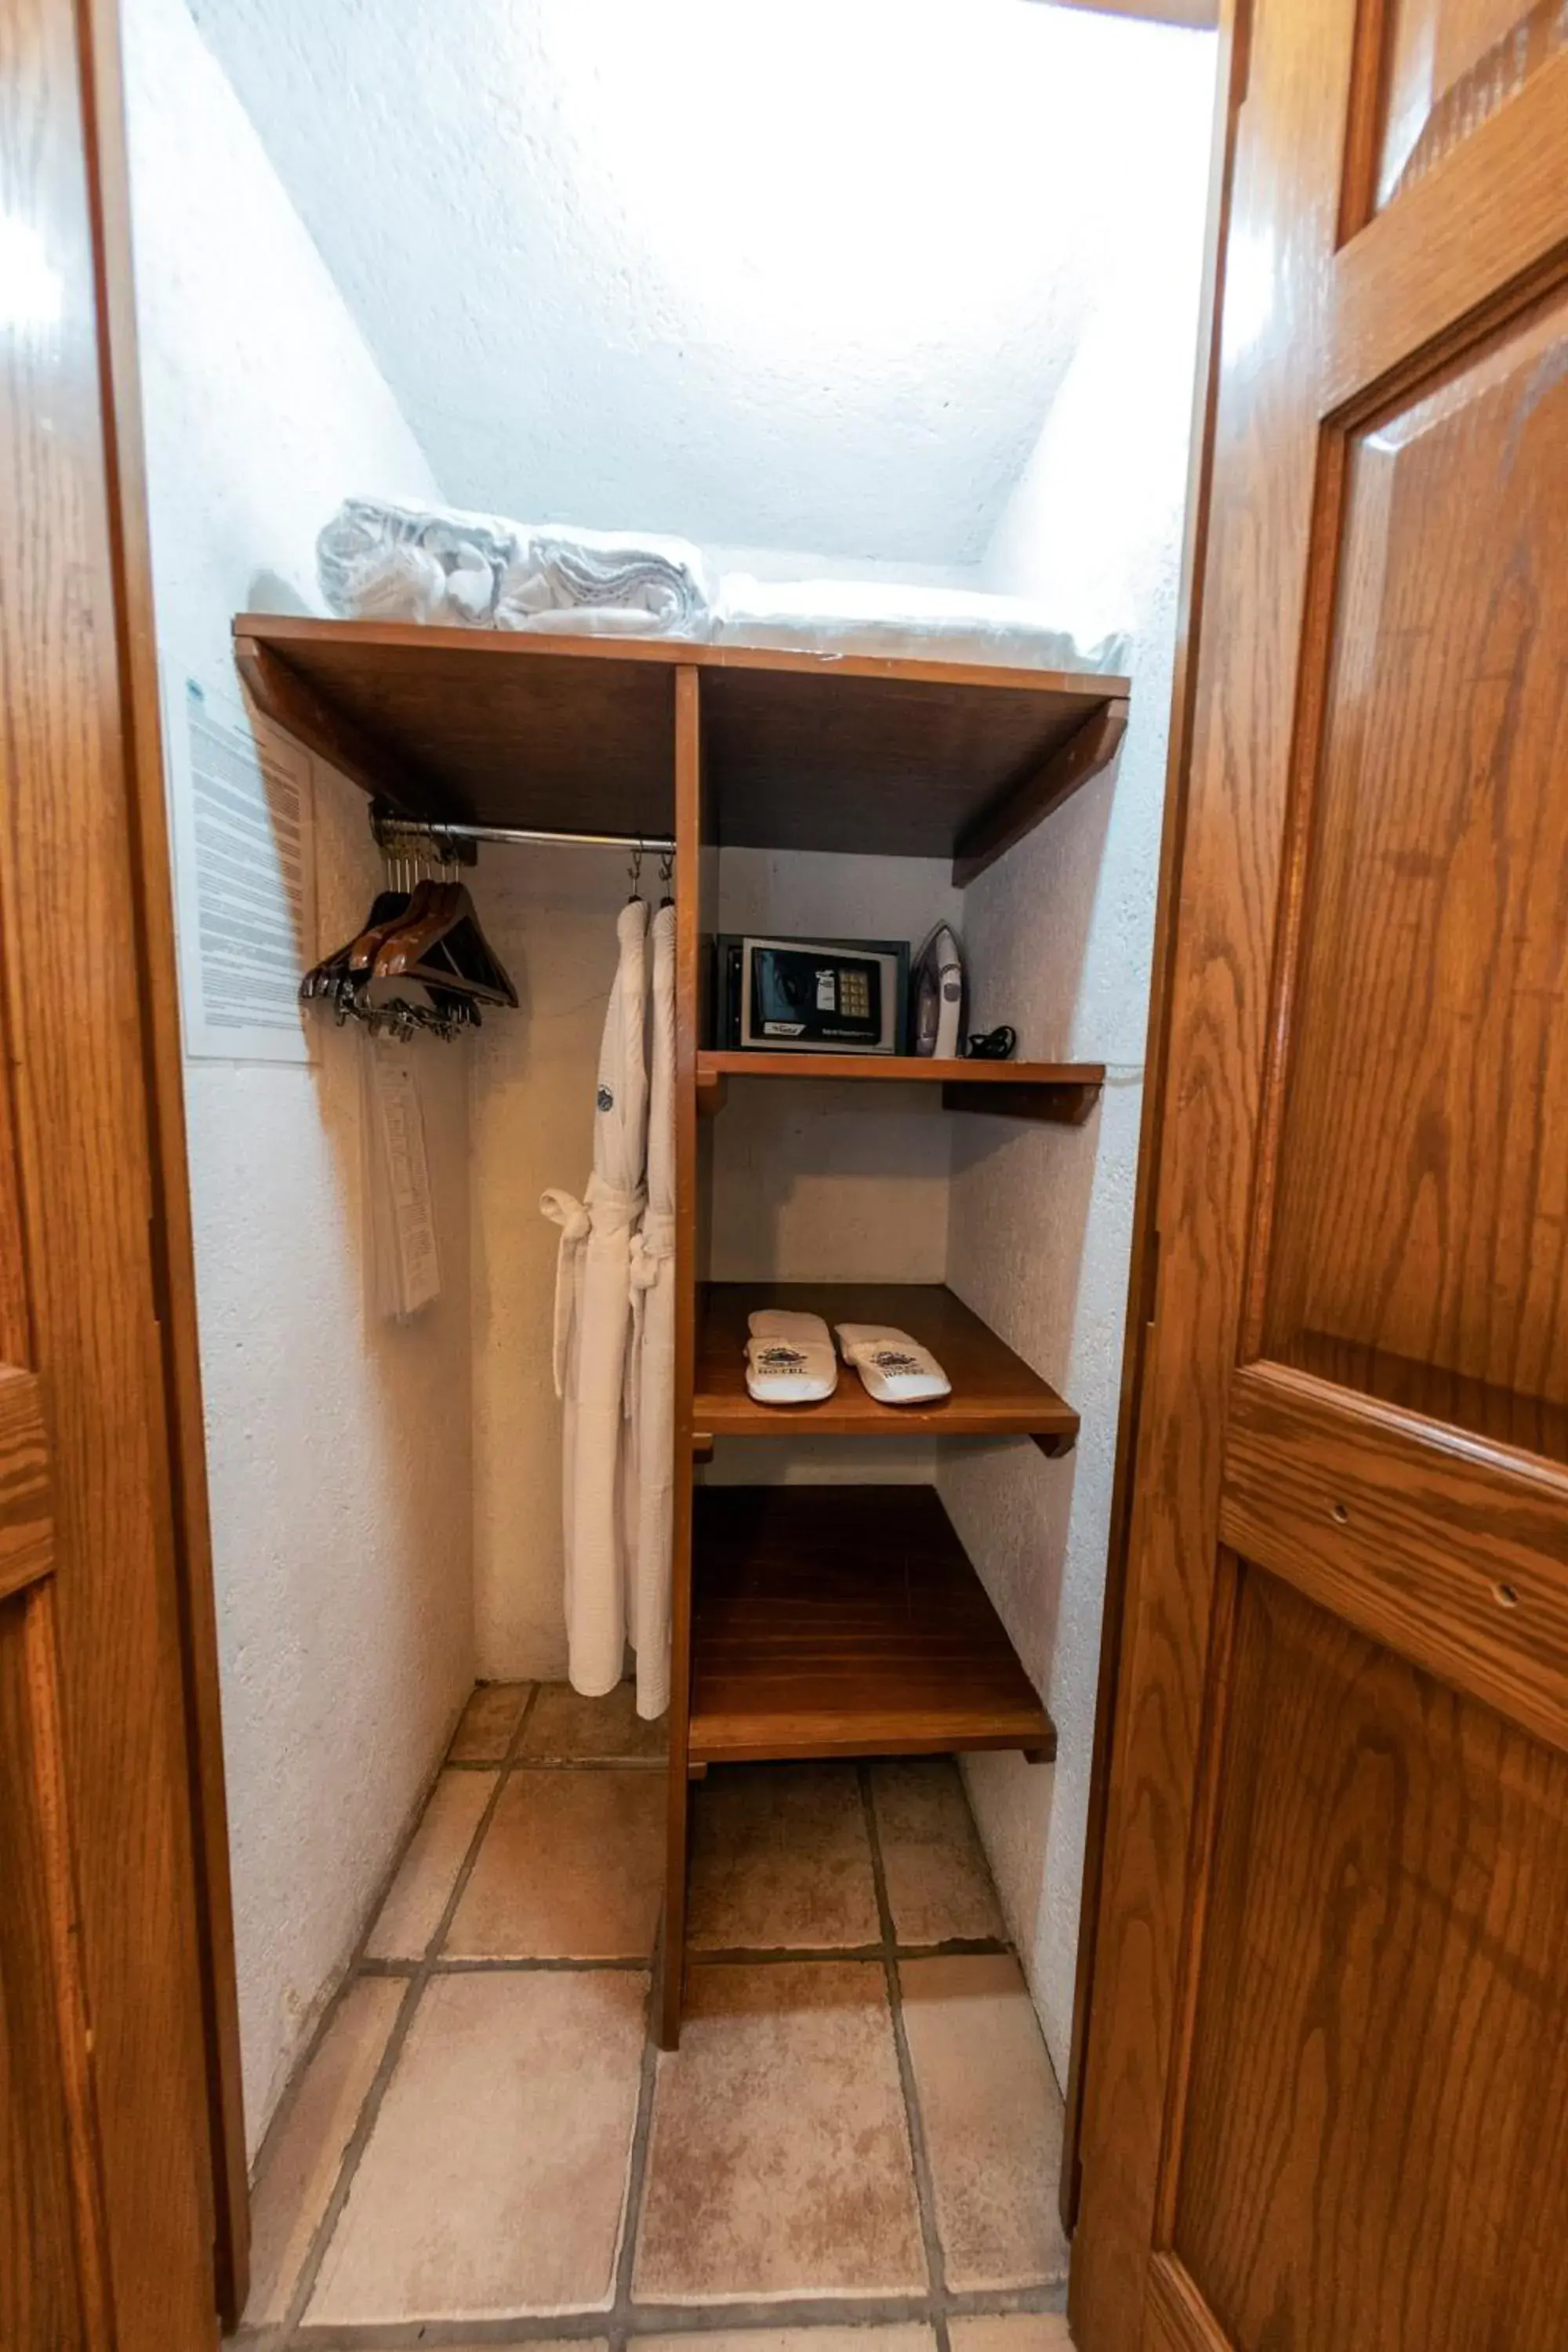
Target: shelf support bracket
x,y
289,702
1053,1442
1026,803
1067,1105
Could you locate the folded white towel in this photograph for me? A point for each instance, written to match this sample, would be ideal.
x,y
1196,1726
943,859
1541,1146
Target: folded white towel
x,y
789,1358
380,561
896,1369
895,617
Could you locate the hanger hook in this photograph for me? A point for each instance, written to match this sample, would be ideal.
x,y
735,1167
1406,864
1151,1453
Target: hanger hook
x,y
636,870
665,864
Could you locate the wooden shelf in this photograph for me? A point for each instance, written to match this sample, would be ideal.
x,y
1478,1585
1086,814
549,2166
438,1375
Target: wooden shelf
x,y
994,1393
846,1621
1063,1093
902,758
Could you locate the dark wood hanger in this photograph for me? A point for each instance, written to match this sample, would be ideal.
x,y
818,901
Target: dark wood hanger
x,y
441,942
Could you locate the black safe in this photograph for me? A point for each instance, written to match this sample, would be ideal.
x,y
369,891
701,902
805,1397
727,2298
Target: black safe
x,y
811,996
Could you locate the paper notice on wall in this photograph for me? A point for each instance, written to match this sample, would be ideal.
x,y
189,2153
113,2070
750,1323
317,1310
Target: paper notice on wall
x,y
403,1255
243,809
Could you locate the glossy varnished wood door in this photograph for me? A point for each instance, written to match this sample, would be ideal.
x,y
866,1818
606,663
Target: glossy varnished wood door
x,y
1327,2085
107,2219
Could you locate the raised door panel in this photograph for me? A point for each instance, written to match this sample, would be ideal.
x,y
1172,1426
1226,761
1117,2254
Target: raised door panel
x,y
1375,2151
1449,65
1420,1242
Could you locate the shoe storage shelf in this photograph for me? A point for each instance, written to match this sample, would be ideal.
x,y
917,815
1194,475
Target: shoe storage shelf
x,y
809,1620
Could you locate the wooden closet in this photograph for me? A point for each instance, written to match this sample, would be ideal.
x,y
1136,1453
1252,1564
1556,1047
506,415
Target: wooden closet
x,y
808,1621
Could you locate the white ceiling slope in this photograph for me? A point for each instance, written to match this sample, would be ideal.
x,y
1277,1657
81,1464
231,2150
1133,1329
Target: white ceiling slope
x,y
801,277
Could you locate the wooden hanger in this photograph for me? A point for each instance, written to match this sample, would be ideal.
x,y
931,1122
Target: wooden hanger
x,y
441,942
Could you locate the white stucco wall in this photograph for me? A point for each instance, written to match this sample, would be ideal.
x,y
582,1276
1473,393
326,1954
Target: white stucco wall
x,y
1060,933
798,278
337,1446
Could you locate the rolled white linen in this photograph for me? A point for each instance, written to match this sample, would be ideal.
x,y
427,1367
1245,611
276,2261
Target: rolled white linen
x,y
377,561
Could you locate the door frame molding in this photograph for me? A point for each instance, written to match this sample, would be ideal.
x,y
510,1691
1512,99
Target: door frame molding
x,y
171,1237
1143,1265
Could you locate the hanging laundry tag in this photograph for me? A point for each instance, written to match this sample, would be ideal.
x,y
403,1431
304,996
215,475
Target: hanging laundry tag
x,y
412,1271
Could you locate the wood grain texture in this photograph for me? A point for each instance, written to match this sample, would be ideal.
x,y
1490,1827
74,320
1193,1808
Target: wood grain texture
x,y
1178,2318
1451,1552
1143,1257
1422,1192
1376,2148
1075,1078
41,2298
692,820
994,1392
1284,2117
1057,1104
1284,196
380,764
27,1512
1028,802
1060,1094
846,1621
801,750
71,974
1487,217
172,1239
1448,66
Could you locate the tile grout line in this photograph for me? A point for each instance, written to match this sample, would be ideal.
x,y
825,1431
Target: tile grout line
x,y
920,2158
622,2322
619,2317
695,2320
735,1956
354,1967
402,2024
556,1764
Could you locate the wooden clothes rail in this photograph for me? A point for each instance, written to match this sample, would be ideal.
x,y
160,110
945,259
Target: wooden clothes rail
x,y
806,1621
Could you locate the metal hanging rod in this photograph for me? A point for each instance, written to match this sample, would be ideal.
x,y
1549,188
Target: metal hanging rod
x,y
389,828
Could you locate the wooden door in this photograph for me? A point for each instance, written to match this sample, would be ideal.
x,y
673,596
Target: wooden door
x,y
107,2165
53,2292
1327,2084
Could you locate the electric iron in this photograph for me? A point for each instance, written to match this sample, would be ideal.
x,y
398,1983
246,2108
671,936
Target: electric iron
x,y
939,997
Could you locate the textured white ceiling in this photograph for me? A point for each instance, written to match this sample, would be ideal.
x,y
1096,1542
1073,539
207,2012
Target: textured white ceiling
x,y
802,276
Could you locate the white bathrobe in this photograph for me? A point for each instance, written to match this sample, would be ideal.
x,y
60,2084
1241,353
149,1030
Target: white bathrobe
x,y
592,1319
653,1342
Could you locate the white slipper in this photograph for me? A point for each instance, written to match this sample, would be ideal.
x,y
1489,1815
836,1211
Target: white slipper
x,y
896,1369
789,1358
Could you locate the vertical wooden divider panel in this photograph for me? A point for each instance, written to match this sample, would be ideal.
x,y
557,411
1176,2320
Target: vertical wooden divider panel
x,y
688,835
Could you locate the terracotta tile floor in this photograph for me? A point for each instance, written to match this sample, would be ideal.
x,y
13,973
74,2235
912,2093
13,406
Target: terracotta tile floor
x,y
855,2149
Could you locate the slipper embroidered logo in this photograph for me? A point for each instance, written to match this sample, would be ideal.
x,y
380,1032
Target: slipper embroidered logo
x,y
894,1359
780,1359
605,1098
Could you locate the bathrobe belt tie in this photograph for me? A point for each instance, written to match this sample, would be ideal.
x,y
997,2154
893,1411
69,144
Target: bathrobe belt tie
x,y
603,1213
653,1246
